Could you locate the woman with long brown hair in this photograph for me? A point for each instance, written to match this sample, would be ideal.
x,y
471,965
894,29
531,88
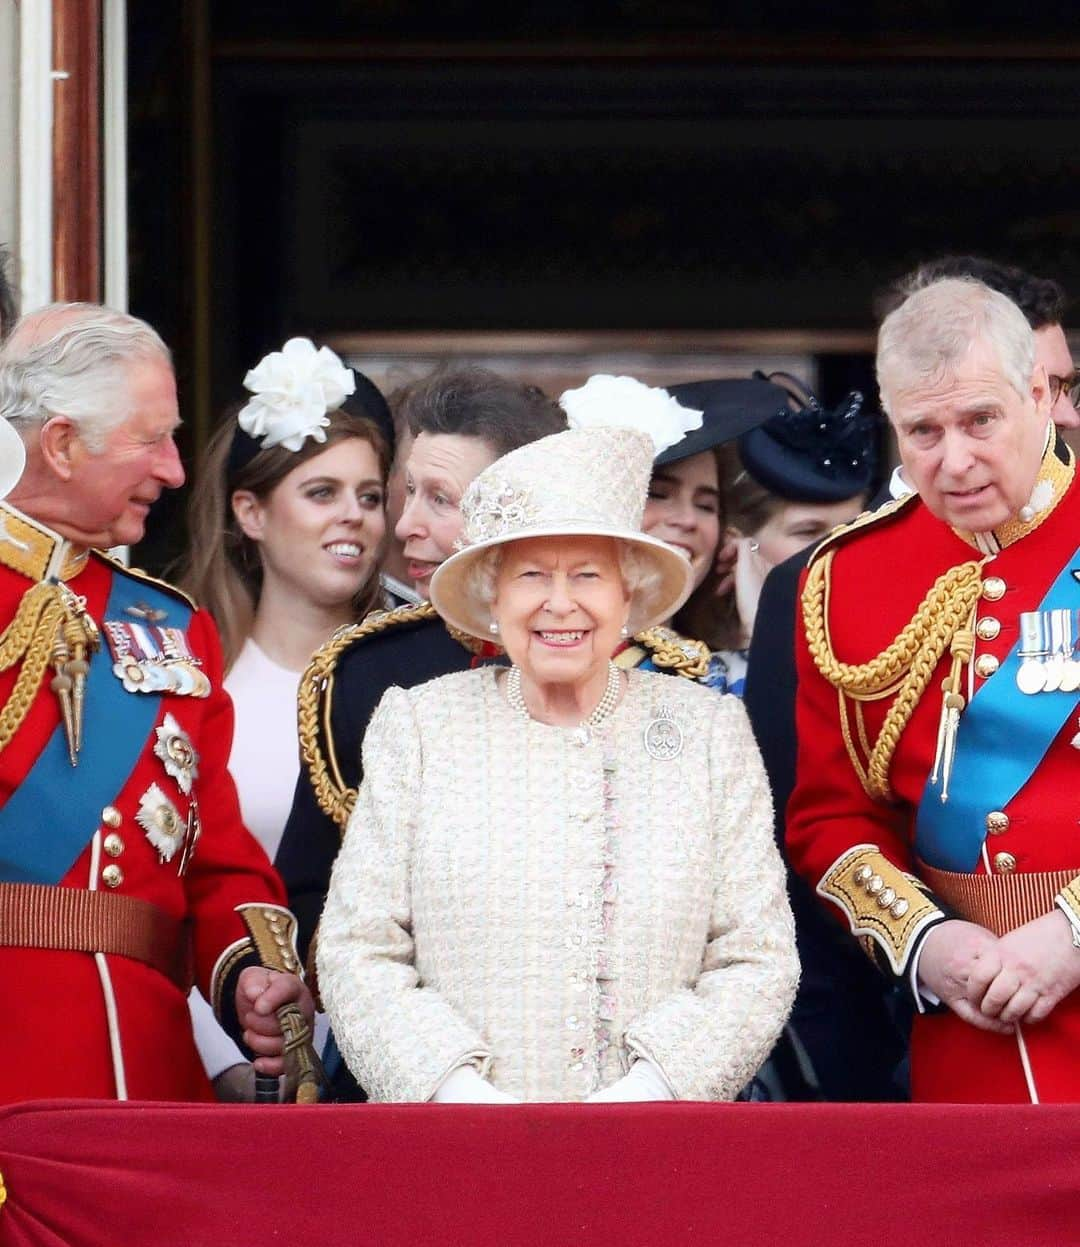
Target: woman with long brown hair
x,y
287,527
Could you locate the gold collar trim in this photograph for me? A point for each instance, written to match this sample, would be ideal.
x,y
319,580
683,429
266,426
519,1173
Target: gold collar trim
x,y
34,551
1056,474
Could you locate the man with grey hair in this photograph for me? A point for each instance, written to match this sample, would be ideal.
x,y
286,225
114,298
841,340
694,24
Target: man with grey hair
x,y
935,806
125,870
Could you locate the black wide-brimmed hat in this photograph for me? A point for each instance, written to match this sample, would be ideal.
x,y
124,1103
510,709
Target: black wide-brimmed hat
x,y
730,407
787,441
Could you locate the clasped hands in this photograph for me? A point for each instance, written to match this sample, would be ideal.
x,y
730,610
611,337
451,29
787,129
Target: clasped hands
x,y
994,982
259,995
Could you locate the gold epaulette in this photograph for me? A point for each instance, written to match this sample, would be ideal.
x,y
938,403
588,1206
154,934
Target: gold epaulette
x,y
886,908
672,652
335,798
137,573
842,532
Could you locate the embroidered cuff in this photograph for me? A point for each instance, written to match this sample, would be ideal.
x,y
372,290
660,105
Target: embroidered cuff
x,y
1068,901
231,961
888,909
236,958
921,995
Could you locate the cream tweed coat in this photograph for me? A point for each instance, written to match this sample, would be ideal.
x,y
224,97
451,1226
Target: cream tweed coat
x,y
548,910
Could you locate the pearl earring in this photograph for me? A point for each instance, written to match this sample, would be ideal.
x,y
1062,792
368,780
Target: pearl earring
x,y
755,546
624,631
493,627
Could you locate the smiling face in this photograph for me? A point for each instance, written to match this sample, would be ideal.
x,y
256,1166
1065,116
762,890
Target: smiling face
x,y
970,444
109,492
319,529
683,509
560,604
439,469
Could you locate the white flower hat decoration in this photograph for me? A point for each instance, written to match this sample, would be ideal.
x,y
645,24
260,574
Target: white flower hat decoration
x,y
293,390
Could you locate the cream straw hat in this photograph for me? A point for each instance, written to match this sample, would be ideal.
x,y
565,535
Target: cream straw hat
x,y
12,458
590,481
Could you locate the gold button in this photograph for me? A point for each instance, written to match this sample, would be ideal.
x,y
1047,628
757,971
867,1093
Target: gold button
x,y
986,665
110,816
886,897
875,884
1004,863
996,822
988,628
113,876
993,588
113,844
899,908
862,874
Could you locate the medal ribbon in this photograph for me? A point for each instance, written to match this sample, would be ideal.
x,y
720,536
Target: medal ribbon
x,y
48,819
1003,736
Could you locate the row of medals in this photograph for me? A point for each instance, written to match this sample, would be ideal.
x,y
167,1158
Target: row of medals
x,y
1047,653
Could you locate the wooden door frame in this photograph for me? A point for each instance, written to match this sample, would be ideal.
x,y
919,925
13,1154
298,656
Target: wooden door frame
x,y
76,150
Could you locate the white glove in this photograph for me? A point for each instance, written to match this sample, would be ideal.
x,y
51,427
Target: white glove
x,y
643,1082
465,1086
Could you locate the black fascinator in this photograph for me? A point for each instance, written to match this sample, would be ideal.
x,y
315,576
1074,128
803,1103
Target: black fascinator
x,y
813,453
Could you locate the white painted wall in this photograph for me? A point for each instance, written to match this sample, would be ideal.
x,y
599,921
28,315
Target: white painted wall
x,y
9,127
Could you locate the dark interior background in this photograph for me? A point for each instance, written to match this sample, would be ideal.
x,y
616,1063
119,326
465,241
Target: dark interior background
x,y
381,165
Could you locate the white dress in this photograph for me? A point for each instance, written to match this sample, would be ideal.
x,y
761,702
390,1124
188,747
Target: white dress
x,y
265,763
265,756
548,910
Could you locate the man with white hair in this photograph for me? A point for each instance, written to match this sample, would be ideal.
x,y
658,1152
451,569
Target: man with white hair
x,y
125,870
935,805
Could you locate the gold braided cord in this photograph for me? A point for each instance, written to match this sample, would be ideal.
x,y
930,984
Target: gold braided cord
x,y
313,706
30,637
16,636
673,652
943,620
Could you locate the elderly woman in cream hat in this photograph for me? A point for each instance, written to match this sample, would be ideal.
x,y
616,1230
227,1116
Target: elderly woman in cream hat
x,y
559,881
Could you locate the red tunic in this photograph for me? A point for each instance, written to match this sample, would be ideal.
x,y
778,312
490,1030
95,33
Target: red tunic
x,y
57,1037
879,577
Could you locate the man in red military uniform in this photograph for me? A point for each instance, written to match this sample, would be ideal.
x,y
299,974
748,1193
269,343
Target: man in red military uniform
x,y
936,802
125,871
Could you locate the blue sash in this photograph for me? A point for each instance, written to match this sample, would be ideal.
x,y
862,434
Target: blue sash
x,y
1003,736
52,814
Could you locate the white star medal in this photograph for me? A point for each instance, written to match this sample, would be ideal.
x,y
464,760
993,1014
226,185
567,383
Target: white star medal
x,y
161,821
177,753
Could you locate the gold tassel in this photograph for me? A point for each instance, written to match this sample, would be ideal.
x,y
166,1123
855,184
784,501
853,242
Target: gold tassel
x,y
953,702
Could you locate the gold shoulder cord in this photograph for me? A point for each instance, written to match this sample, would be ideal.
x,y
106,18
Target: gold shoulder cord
x,y
50,626
943,620
673,652
335,799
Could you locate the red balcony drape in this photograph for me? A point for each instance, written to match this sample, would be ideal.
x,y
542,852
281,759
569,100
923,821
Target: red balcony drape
x,y
97,1175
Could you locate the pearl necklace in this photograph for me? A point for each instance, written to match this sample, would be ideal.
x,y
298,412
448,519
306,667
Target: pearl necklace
x,y
584,729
